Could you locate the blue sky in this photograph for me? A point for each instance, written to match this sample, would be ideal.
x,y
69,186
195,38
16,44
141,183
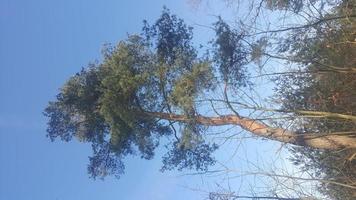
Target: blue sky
x,y
42,43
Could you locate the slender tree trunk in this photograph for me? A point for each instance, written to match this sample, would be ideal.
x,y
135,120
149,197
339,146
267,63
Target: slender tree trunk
x,y
258,128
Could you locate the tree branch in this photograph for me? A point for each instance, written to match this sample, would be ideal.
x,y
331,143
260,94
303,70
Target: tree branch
x,y
260,129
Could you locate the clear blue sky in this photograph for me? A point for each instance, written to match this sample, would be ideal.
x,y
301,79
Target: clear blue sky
x,y
42,43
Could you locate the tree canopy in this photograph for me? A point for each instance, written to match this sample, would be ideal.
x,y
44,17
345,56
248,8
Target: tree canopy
x,y
112,104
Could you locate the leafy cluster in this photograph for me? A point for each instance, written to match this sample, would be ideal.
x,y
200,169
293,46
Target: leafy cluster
x,y
114,104
230,55
294,5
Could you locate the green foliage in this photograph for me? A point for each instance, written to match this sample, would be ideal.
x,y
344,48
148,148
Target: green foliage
x,y
79,93
295,5
230,54
258,50
291,5
189,85
109,104
172,39
180,157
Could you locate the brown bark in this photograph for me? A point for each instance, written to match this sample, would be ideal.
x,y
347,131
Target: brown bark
x,y
258,128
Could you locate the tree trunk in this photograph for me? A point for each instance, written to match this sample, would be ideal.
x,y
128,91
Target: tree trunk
x,y
258,128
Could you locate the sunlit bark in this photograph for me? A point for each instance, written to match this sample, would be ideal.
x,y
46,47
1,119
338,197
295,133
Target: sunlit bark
x,y
261,129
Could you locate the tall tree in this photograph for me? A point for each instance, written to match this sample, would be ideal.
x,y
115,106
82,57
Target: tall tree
x,y
317,83
152,85
327,84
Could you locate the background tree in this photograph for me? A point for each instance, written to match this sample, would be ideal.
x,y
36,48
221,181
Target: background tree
x,y
317,81
327,58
